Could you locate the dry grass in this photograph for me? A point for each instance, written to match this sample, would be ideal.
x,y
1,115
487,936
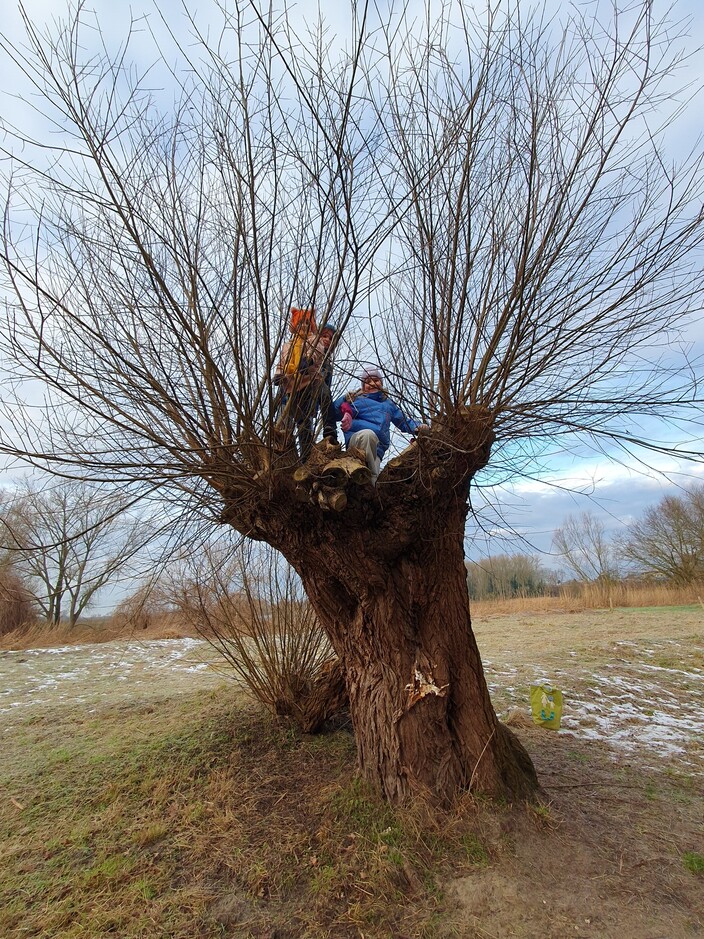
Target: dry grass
x,y
190,815
200,820
592,597
95,630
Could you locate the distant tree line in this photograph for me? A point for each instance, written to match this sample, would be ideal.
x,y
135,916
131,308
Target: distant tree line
x,y
61,545
506,576
665,546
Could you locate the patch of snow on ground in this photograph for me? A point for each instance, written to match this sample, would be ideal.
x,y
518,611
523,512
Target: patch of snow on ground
x,y
628,704
79,674
631,706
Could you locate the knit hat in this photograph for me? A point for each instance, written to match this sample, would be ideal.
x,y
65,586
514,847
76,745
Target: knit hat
x,y
331,326
370,371
301,318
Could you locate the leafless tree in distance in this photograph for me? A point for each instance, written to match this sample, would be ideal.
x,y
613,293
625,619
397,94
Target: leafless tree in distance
x,y
586,548
668,541
481,200
68,541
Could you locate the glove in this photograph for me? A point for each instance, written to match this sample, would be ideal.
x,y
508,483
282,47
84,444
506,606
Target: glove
x,y
346,421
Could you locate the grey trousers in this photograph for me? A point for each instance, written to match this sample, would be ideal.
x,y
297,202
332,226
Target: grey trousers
x,y
367,440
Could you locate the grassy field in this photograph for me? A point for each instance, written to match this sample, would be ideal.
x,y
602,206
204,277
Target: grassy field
x,y
143,796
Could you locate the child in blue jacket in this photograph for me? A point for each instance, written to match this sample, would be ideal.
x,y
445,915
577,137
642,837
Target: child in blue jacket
x,y
366,416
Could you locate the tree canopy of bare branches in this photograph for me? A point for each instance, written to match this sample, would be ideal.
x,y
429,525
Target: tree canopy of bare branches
x,y
668,541
495,186
586,548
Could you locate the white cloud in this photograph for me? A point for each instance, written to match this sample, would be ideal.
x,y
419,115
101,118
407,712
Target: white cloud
x,y
592,477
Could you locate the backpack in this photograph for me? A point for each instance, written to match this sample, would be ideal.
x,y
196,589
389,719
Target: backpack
x,y
302,324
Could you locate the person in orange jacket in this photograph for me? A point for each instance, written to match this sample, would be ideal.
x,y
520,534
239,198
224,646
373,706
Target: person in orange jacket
x,y
299,375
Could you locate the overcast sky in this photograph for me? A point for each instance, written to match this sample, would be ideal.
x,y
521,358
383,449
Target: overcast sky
x,y
576,482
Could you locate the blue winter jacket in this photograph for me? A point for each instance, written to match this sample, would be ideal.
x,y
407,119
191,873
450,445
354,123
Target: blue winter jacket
x,y
375,412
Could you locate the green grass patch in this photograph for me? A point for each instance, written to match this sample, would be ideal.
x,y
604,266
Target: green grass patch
x,y
477,854
693,861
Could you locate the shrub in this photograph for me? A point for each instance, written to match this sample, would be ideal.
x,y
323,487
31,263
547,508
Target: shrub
x,y
16,605
250,606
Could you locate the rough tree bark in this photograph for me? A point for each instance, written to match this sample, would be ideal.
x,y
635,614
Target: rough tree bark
x,y
386,576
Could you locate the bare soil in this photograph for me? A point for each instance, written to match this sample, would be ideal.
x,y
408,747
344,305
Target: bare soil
x,y
623,780
603,856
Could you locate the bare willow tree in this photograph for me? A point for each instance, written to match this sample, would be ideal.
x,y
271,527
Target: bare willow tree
x,y
490,192
584,545
68,541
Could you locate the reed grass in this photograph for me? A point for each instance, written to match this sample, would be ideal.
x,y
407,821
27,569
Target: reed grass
x,y
575,597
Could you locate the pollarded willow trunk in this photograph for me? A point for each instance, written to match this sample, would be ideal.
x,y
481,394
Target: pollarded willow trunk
x,y
419,702
386,575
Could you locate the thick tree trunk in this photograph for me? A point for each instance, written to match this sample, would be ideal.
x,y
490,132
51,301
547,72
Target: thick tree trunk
x,y
386,575
419,702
